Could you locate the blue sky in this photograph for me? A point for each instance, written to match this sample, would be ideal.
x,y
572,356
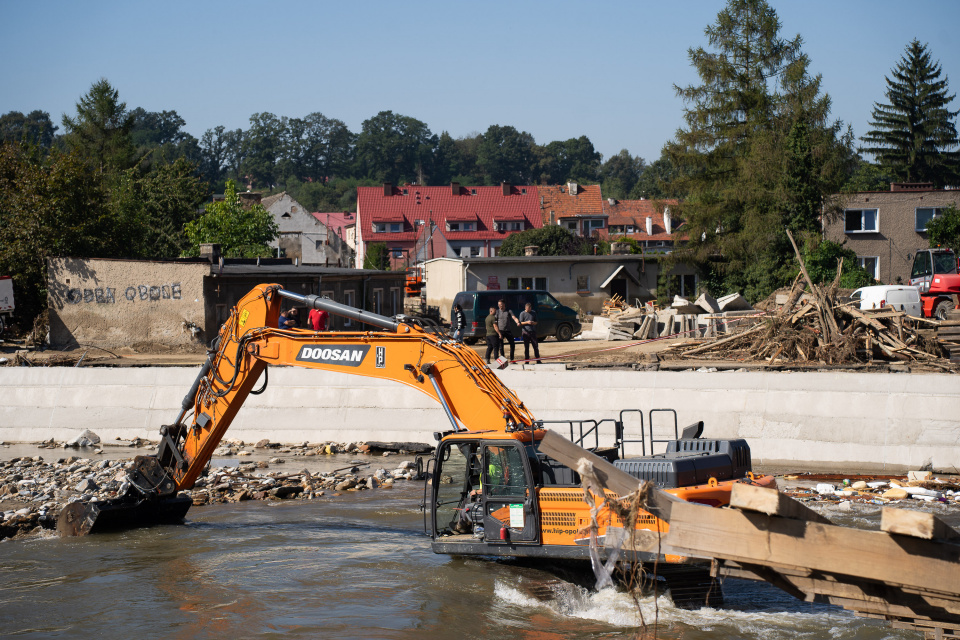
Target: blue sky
x,y
556,69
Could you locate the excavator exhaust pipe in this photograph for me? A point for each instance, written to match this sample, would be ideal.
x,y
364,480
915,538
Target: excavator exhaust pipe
x,y
148,498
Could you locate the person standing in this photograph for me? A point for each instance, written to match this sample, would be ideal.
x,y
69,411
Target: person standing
x,y
493,335
288,319
505,323
528,330
318,319
459,322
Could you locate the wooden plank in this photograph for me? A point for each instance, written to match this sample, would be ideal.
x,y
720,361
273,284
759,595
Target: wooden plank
x,y
659,503
717,343
772,502
754,538
918,524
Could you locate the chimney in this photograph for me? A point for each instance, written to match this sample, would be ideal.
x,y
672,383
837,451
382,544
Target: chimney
x,y
911,186
667,223
506,188
572,188
532,250
210,251
611,201
455,188
649,226
387,189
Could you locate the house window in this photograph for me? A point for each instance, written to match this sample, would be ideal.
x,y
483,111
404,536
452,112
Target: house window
x,y
592,225
925,215
870,264
570,225
285,215
378,301
384,227
509,226
473,192
526,283
860,220
523,190
396,252
530,283
405,192
540,283
474,252
513,283
583,284
348,298
319,245
461,226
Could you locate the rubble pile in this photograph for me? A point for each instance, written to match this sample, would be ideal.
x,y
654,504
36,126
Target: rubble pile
x,y
706,317
817,328
917,487
32,491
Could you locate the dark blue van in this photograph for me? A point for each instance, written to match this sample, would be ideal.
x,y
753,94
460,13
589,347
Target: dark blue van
x,y
553,318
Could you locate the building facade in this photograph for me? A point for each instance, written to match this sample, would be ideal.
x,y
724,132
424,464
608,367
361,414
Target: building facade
x,y
303,237
649,222
180,304
418,223
885,228
580,282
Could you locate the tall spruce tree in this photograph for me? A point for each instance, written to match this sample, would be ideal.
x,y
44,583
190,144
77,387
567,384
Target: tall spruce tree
x,y
914,136
756,154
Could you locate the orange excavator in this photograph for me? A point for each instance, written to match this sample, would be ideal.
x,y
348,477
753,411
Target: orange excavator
x,y
488,489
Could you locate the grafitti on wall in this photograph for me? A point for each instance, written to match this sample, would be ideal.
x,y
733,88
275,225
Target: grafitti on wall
x,y
106,295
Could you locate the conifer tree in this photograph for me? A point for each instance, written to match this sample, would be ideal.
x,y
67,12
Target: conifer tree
x,y
756,154
914,137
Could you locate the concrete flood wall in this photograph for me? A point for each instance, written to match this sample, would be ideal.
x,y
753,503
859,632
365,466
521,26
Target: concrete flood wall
x,y
845,421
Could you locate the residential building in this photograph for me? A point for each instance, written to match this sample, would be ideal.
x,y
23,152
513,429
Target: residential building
x,y
577,208
303,236
181,304
580,282
885,228
432,222
649,222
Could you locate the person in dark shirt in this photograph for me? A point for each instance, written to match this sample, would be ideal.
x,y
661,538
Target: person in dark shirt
x,y
459,322
288,319
506,321
528,330
493,335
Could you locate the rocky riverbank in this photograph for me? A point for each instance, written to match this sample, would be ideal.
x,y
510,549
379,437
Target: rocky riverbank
x,y
33,490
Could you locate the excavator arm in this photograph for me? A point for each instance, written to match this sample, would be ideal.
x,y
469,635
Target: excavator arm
x,y
450,373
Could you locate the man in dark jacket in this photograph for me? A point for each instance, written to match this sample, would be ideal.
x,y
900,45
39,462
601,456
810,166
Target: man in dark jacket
x,y
506,322
493,335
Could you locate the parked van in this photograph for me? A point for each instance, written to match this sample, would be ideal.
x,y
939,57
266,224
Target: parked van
x,y
553,318
901,298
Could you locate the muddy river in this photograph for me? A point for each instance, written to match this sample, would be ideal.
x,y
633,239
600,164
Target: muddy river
x,y
353,566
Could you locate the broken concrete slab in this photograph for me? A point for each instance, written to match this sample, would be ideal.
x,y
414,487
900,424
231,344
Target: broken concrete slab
x,y
708,303
684,306
734,302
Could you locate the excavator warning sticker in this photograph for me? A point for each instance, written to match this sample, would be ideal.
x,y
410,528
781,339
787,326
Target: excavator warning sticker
x,y
243,317
342,354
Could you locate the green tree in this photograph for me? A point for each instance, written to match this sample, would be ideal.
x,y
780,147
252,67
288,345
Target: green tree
x,y
756,151
821,258
159,138
53,207
377,257
563,160
620,173
506,155
657,181
914,136
866,176
262,147
241,232
151,208
395,148
553,240
34,129
944,230
100,131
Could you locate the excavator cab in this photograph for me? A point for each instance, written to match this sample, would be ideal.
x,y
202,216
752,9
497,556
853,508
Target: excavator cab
x,y
482,492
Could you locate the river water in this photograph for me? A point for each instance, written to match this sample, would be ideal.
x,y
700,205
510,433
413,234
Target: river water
x,y
353,566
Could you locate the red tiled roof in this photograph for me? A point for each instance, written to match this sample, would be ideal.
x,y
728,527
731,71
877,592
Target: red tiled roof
x,y
636,212
558,201
336,218
439,204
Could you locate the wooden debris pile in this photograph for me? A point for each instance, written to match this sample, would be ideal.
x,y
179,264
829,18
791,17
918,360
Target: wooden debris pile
x,y
948,335
819,329
613,305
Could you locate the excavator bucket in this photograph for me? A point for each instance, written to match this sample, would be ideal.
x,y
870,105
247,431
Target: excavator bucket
x,y
150,499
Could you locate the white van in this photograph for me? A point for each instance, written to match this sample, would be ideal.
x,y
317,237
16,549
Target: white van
x,y
901,298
